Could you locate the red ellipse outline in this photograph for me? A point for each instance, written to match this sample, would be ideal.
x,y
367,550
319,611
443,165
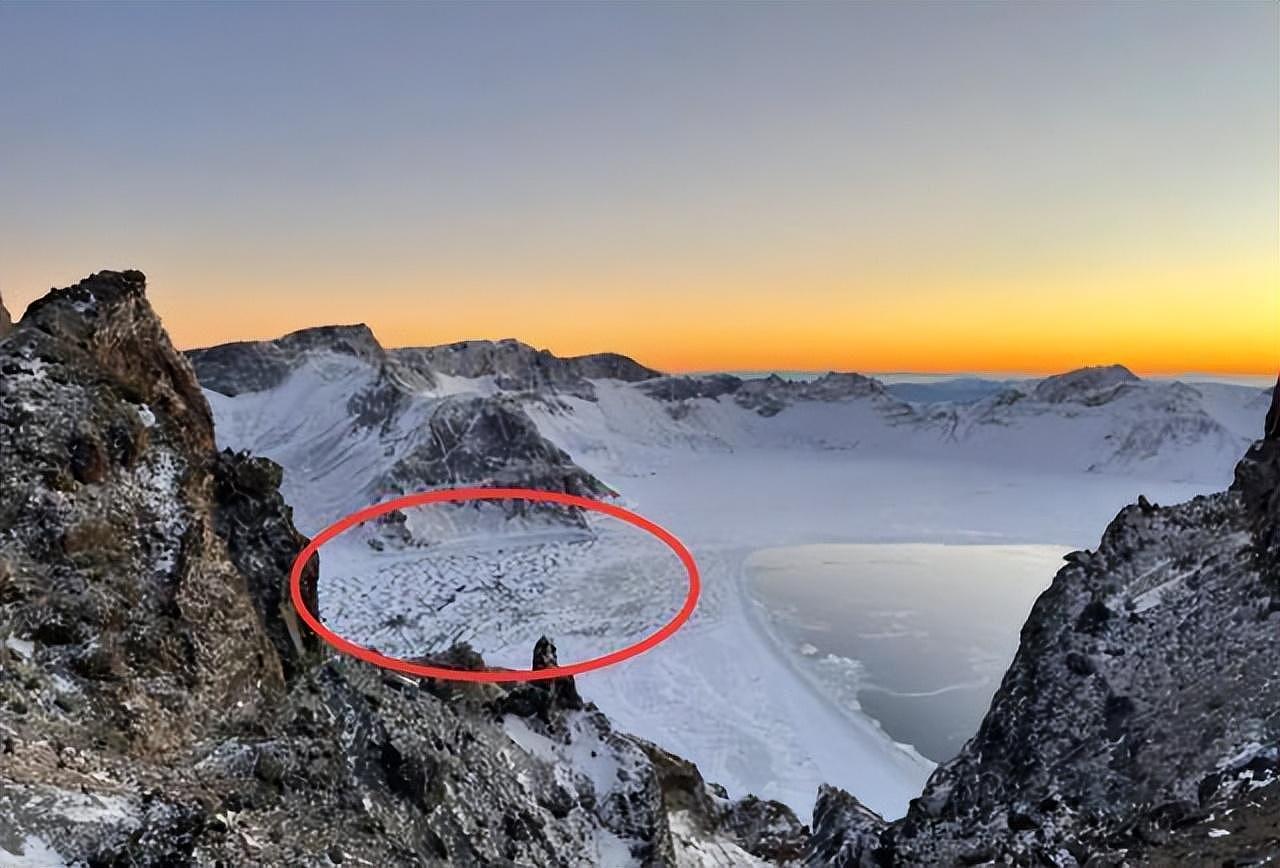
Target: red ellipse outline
x,y
447,495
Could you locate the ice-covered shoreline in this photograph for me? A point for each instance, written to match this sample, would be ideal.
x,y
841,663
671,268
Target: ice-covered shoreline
x,y
773,641
912,636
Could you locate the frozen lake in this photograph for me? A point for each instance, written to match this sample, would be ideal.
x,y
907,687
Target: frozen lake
x,y
915,636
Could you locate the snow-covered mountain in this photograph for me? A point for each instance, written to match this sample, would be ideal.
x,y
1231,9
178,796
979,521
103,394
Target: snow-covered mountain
x,y
333,391
730,465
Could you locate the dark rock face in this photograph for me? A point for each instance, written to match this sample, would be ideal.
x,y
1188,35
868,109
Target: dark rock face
x,y
611,366
491,442
846,834
479,440
564,693
252,517
159,705
688,388
6,323
1257,480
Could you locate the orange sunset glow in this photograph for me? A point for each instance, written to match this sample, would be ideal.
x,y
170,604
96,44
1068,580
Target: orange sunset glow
x,y
973,194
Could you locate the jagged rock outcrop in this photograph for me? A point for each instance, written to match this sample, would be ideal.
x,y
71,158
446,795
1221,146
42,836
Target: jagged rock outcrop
x,y
563,692
159,707
1142,704
483,441
489,442
846,833
709,828
6,323
257,525
111,559
1257,479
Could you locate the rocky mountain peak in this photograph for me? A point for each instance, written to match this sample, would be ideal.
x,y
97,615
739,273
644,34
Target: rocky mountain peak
x,y
112,563
770,395
354,340
1091,385
251,366
106,322
612,366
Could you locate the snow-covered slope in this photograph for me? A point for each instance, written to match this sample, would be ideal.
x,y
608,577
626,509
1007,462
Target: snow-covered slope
x,y
730,466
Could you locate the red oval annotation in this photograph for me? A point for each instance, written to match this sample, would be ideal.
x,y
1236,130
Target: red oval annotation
x,y
458,495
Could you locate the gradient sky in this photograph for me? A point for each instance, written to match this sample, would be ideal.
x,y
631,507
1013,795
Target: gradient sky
x,y
872,187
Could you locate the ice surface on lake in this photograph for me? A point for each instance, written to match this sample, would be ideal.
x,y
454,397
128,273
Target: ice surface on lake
x,y
915,636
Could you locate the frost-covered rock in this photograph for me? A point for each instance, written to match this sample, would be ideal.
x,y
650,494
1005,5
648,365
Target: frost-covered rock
x,y
490,442
846,833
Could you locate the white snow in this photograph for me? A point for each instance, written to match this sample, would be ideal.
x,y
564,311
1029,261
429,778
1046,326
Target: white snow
x,y
612,850
695,850
24,648
33,852
728,482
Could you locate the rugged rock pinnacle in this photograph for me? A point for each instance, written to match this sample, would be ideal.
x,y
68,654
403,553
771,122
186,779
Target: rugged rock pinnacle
x,y
564,693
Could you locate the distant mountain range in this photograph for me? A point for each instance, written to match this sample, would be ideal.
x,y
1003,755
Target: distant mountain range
x,y
393,415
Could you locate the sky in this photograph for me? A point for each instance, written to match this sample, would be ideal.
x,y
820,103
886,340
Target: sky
x,y
712,186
